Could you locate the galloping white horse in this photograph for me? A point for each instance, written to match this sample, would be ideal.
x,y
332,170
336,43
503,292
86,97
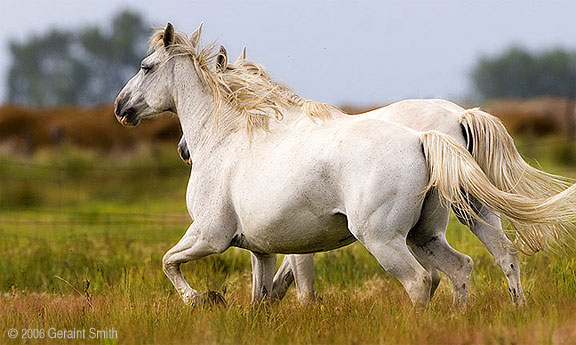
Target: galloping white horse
x,y
272,176
491,146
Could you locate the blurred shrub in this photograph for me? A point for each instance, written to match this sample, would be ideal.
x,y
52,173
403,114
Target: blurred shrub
x,y
25,130
537,116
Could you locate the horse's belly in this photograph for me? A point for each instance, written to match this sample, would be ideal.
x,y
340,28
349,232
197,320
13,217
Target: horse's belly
x,y
297,235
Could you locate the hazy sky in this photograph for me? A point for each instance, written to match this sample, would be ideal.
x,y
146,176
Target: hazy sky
x,y
359,52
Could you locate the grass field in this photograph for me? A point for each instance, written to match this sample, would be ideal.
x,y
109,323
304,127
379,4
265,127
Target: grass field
x,y
82,237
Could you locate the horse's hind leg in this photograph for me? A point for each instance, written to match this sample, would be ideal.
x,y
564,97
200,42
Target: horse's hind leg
x,y
193,245
303,269
427,264
386,240
299,268
283,279
499,246
263,266
427,240
394,256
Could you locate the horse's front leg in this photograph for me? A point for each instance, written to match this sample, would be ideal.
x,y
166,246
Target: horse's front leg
x,y
263,267
195,244
303,268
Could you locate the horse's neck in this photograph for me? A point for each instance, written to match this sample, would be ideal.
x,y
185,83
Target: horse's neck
x,y
195,108
196,111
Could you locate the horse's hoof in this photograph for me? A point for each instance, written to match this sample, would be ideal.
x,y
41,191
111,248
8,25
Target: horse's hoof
x,y
210,298
310,299
520,303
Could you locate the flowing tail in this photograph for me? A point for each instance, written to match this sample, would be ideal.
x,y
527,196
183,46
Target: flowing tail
x,y
493,149
541,223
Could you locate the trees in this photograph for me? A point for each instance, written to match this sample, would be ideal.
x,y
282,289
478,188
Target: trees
x,y
87,66
521,74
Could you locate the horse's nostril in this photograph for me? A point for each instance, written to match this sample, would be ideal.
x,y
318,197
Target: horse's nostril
x,y
119,104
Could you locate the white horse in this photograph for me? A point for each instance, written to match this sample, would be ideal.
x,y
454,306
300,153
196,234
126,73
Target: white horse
x,y
493,149
491,146
272,176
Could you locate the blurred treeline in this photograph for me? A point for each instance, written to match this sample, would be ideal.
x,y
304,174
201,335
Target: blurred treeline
x,y
519,73
82,67
61,85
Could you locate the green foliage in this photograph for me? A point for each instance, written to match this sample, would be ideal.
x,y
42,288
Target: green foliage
x,y
522,74
87,66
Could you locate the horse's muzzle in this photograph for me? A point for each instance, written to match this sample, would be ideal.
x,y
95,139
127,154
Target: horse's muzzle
x,y
125,115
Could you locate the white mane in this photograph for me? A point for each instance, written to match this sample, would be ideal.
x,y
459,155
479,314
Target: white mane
x,y
246,87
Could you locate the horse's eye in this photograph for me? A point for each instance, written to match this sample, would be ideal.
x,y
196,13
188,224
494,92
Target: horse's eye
x,y
146,68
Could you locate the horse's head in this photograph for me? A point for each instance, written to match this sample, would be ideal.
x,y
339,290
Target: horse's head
x,y
179,77
148,93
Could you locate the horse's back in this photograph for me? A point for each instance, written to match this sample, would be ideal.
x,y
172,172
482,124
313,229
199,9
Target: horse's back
x,y
423,115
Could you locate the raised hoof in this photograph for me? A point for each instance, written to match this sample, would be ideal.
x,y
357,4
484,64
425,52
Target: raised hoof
x,y
213,298
208,298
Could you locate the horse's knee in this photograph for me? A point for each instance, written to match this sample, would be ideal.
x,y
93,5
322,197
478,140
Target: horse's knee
x,y
168,263
185,251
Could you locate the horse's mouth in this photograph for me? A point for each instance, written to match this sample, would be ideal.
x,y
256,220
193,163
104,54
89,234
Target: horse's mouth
x,y
127,117
126,122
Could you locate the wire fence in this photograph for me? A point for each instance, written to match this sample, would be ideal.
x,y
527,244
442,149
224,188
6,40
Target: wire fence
x,y
45,217
165,168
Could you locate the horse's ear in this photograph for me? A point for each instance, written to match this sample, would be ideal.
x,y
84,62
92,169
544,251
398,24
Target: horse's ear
x,y
221,59
194,37
168,35
242,55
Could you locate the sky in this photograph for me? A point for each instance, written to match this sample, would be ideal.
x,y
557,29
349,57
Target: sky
x,y
341,52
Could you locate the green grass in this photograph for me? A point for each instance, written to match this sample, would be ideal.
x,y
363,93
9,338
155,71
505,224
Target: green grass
x,y
108,221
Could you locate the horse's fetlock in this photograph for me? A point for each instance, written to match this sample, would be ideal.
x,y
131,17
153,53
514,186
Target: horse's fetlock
x,y
426,280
